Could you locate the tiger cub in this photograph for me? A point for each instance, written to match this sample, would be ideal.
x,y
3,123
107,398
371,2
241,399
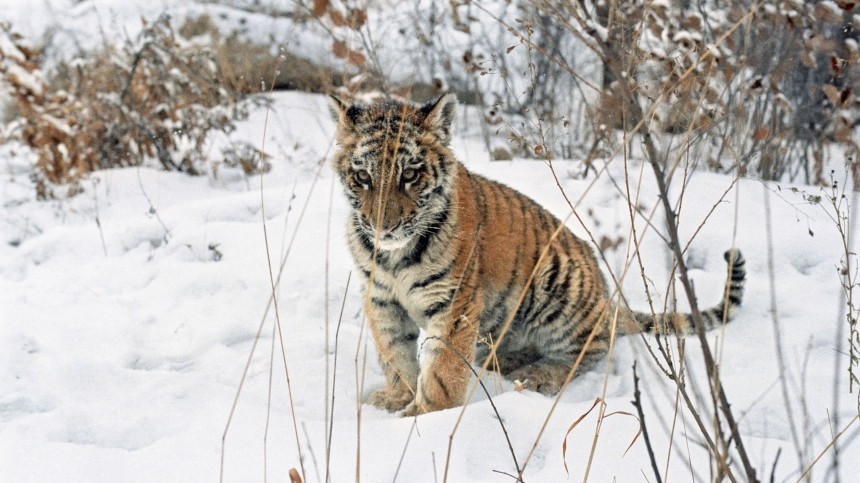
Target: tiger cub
x,y
450,252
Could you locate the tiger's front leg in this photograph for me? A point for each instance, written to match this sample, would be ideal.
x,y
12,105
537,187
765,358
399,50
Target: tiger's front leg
x,y
448,350
396,338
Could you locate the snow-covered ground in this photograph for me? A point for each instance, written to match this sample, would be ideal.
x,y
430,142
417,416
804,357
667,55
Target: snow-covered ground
x,y
128,314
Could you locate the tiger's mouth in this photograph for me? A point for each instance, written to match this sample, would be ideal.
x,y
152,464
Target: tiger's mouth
x,y
392,243
392,239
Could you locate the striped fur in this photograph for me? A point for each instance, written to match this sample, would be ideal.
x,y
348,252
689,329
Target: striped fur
x,y
450,252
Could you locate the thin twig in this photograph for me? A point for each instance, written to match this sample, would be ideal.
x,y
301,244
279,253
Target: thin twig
x,y
311,451
637,403
277,311
773,467
265,315
98,218
403,453
829,445
489,398
330,419
774,315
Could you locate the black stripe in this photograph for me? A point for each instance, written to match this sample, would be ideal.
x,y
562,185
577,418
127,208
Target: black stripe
x,y
562,338
432,278
424,239
381,286
589,305
380,302
552,274
435,309
437,191
544,222
442,386
646,321
554,294
718,314
366,242
552,316
443,166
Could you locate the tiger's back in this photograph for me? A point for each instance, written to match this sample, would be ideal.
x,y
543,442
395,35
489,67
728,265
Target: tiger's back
x,y
465,259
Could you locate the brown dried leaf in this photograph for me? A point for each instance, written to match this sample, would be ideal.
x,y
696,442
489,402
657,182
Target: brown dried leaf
x,y
832,93
761,134
835,66
625,413
339,49
320,7
808,59
336,18
571,428
356,18
294,476
844,95
356,58
342,51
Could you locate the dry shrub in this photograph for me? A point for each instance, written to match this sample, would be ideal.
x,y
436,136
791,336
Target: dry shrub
x,y
765,85
47,119
248,67
156,96
246,157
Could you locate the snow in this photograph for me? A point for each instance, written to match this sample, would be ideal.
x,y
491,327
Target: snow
x,y
128,313
832,8
121,358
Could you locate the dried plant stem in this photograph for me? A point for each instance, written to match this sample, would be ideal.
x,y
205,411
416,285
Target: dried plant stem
x,y
783,369
829,445
359,388
637,403
268,409
278,323
602,410
405,446
327,321
696,316
330,417
489,398
265,315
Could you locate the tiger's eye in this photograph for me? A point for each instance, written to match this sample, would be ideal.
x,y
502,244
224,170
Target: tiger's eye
x,y
362,177
409,175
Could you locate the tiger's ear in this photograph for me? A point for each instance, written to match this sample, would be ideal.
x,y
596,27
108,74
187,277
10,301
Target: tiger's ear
x,y
336,108
439,115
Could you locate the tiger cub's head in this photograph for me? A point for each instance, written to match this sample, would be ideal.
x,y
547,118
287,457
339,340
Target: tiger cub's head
x,y
395,166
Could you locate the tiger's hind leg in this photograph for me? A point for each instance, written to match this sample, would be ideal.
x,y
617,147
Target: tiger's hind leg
x,y
547,375
549,372
509,361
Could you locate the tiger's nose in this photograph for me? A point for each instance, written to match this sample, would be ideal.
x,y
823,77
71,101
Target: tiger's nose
x,y
389,226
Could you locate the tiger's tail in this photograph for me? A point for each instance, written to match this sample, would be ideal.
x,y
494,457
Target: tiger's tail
x,y
724,311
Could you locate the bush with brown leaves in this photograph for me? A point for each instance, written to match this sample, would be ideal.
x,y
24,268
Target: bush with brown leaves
x,y
157,96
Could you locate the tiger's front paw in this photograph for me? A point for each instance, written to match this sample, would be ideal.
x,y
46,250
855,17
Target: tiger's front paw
x,y
414,409
390,400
